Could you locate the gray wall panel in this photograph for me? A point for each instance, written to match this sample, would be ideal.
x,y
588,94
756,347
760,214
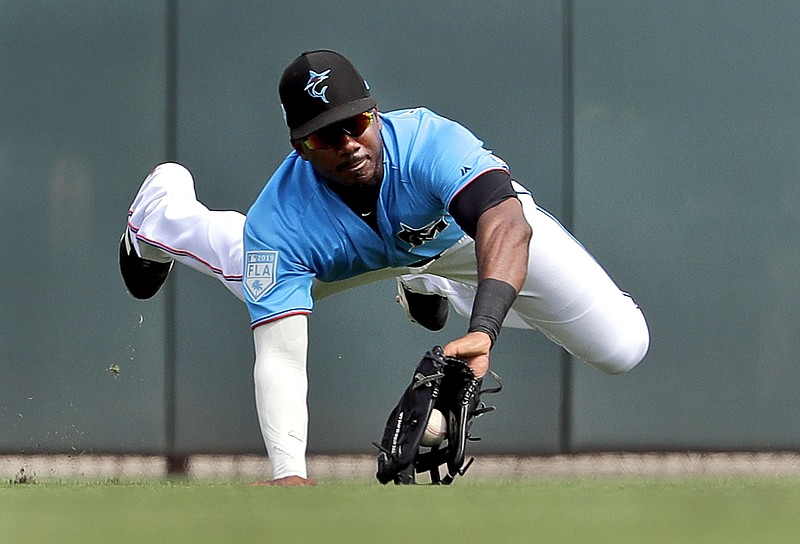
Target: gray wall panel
x,y
687,125
686,167
81,111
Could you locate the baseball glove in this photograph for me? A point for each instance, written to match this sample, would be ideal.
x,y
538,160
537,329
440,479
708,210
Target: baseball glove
x,y
444,383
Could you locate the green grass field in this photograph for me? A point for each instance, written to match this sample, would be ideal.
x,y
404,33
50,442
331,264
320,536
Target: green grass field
x,y
548,510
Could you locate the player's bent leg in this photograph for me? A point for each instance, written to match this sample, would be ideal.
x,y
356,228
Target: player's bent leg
x,y
166,223
612,335
567,295
573,301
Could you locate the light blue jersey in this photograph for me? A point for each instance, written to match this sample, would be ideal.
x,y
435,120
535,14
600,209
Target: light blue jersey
x,y
298,229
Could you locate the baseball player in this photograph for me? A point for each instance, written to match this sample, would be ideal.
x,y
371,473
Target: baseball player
x,y
365,196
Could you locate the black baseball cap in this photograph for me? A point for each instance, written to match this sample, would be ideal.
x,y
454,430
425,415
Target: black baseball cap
x,y
320,88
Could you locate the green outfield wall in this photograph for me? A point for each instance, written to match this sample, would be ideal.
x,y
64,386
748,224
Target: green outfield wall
x,y
665,135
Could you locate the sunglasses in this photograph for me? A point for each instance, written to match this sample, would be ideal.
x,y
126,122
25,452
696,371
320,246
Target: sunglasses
x,y
328,137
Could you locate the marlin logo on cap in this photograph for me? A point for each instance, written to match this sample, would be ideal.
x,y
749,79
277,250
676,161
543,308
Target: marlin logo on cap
x,y
314,80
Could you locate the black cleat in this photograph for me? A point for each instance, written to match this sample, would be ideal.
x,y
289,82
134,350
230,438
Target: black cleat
x,y
426,309
142,277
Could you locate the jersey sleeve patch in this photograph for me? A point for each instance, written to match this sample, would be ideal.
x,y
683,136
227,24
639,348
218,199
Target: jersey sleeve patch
x,y
259,272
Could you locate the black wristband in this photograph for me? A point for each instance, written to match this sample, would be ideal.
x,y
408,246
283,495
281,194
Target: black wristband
x,y
492,302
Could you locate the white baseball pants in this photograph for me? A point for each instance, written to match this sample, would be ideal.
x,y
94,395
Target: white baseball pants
x,y
567,294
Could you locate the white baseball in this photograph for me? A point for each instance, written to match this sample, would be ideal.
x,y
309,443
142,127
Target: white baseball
x,y
435,430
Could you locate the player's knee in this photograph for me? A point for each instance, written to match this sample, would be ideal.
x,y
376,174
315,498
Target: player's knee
x,y
167,178
629,359
630,351
173,170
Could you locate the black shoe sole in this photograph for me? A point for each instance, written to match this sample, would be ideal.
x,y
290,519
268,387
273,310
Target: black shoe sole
x,y
429,310
142,278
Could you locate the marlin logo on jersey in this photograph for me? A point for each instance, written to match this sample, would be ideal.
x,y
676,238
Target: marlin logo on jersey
x,y
259,272
417,237
314,80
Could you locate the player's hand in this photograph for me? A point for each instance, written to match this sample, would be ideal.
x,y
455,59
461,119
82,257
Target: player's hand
x,y
473,348
288,481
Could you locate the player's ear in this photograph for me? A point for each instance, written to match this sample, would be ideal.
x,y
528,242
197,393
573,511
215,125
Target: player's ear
x,y
378,118
300,148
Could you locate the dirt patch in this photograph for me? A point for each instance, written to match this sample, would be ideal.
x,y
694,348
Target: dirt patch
x,y
226,467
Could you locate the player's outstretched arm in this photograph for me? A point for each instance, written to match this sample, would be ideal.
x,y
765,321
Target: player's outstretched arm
x,y
501,248
281,387
501,243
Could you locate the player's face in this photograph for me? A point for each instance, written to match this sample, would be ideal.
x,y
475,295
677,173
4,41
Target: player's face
x,y
349,153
